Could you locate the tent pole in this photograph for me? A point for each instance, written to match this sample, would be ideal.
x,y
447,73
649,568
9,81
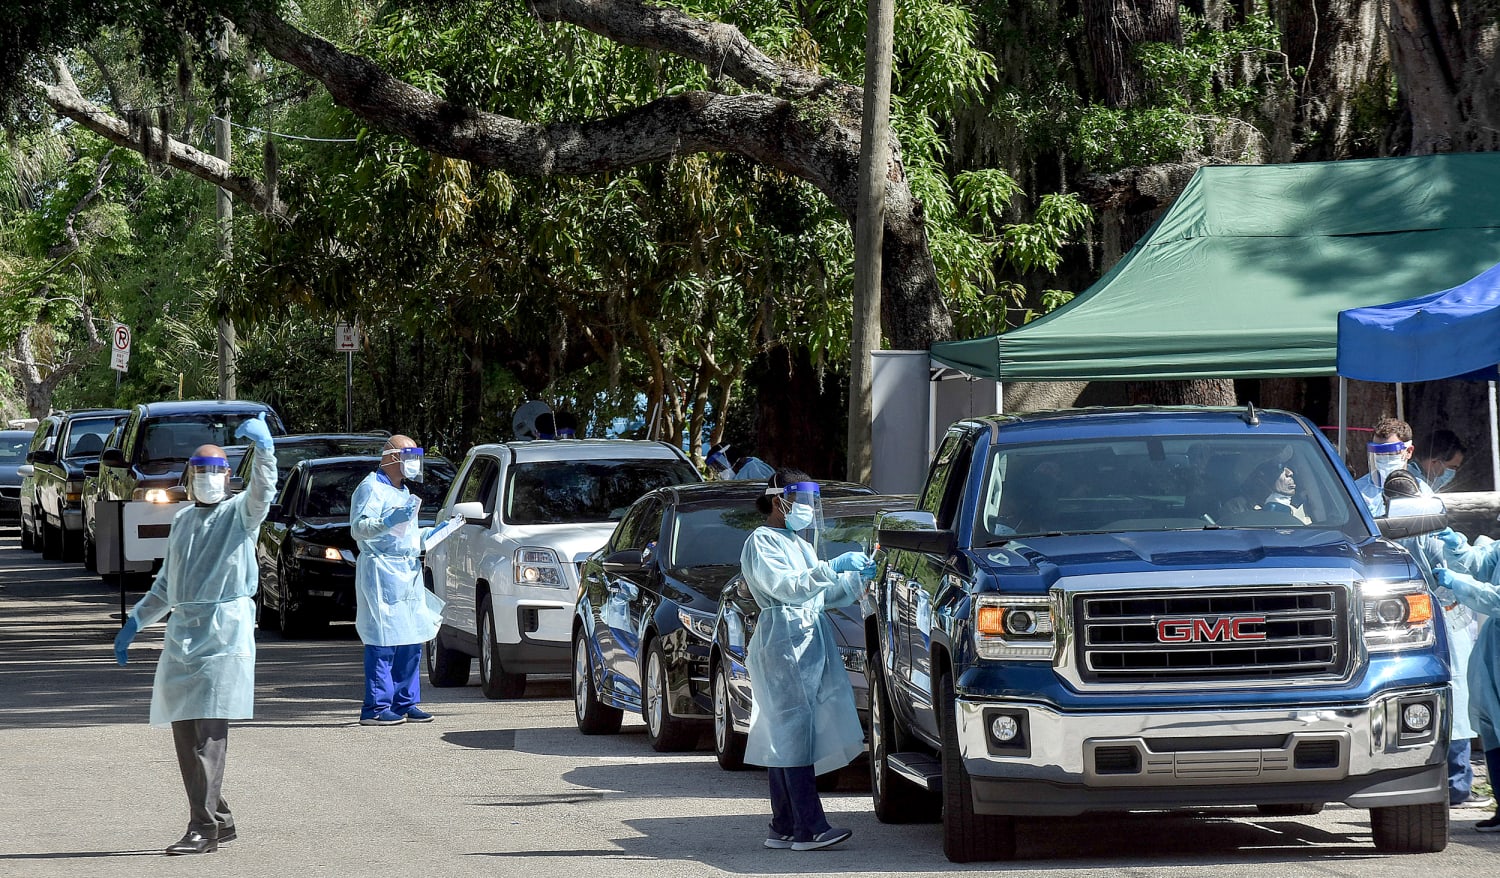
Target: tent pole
x,y
935,375
1494,442
1000,397
1343,419
1400,403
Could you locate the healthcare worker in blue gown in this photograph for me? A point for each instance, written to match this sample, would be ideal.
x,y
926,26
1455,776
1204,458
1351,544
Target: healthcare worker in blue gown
x,y
394,612
206,674
1472,574
803,722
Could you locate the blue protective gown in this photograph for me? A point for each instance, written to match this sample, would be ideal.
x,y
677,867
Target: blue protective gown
x,y
803,712
1374,495
1477,590
1456,618
207,582
393,608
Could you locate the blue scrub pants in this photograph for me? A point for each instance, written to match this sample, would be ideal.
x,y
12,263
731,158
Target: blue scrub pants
x,y
1460,771
796,809
391,681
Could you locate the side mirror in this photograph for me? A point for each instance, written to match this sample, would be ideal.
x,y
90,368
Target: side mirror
x,y
236,484
91,469
42,456
915,532
177,494
25,470
473,512
1401,527
273,512
112,457
625,561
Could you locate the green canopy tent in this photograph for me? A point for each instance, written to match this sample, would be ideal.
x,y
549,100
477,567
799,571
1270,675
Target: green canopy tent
x,y
1245,275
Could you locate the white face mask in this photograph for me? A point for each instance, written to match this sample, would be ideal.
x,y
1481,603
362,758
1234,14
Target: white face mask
x,y
799,516
210,487
411,469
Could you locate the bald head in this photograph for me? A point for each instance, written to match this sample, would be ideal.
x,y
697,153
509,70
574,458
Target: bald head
x,y
390,457
209,451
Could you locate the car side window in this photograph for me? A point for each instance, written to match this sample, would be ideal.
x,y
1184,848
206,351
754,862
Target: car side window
x,y
289,491
624,536
479,483
648,529
937,480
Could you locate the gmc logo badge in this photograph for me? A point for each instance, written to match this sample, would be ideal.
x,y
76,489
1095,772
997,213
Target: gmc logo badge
x,y
1196,630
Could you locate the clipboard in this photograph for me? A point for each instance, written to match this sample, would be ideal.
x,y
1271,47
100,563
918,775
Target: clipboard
x,y
435,537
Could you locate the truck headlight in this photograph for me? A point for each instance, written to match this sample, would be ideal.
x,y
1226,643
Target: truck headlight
x,y
1396,615
700,624
1013,626
153,495
539,567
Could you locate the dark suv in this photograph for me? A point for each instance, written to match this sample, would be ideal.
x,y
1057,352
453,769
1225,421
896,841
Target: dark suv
x,y
144,462
51,507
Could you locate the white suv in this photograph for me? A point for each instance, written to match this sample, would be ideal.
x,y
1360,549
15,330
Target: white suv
x,y
534,512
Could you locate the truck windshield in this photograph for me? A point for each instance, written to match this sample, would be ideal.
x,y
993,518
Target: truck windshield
x,y
86,436
174,438
1162,483
581,491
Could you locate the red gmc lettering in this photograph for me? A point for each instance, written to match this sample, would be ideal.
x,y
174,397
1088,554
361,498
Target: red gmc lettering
x,y
1227,628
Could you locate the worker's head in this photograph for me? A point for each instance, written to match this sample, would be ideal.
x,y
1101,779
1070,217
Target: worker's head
x,y
1440,457
207,475
1389,448
401,460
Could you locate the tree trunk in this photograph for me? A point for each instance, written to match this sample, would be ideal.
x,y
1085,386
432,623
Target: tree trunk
x,y
1338,43
1114,29
1444,55
1210,391
800,414
473,390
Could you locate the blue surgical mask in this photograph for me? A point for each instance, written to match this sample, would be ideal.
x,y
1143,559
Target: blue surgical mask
x,y
799,516
1444,478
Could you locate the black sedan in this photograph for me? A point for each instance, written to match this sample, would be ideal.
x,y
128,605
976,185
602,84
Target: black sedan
x,y
305,551
296,447
848,526
13,447
646,606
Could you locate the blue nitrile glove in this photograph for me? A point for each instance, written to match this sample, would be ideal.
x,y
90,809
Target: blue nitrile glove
x,y
868,571
128,631
256,431
1450,538
1445,577
399,515
850,562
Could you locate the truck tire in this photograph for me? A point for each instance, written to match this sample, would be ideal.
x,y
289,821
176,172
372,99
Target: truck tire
x,y
967,837
28,542
1300,809
90,559
667,733
729,745
896,799
594,716
446,667
494,681
1410,829
71,544
51,540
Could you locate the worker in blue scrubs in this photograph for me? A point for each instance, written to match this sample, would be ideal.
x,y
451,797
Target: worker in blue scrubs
x,y
394,613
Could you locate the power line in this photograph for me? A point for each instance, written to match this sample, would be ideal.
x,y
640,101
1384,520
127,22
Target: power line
x,y
270,133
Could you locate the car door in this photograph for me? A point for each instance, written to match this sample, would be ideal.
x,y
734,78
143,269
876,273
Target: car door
x,y
272,538
635,593
459,562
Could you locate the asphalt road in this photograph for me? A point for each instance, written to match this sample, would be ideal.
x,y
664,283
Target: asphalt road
x,y
490,788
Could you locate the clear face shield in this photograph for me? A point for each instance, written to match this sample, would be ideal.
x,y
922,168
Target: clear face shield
x,y
803,504
1385,458
207,479
410,460
718,461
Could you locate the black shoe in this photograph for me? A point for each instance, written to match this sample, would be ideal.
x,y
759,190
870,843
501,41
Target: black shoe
x,y
194,842
227,833
1490,825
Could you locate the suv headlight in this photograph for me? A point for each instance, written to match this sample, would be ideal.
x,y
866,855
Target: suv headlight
x,y
700,624
1014,627
152,495
1396,615
539,567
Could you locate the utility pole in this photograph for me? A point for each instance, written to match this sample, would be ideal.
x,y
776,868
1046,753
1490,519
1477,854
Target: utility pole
x,y
869,232
224,212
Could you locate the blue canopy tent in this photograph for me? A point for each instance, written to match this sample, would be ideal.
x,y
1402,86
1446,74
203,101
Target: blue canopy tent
x,y
1454,333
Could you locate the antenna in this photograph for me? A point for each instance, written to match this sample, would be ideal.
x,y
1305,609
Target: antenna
x,y
1251,416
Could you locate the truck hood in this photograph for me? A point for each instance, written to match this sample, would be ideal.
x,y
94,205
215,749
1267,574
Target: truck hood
x,y
1052,557
571,542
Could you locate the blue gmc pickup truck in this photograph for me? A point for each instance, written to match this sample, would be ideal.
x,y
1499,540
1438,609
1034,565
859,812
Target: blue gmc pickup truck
x,y
1151,608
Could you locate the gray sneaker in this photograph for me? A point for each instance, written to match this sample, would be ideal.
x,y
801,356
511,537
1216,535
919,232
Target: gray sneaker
x,y
779,842
826,839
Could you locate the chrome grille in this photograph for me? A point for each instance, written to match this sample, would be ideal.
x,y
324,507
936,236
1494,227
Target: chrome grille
x,y
1149,636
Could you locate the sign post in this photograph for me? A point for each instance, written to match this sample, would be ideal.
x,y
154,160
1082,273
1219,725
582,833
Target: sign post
x,y
119,351
346,340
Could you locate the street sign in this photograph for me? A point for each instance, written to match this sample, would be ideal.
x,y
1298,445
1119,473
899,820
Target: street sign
x,y
119,356
345,338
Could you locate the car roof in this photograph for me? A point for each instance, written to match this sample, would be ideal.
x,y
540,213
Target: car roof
x,y
868,504
543,450
312,438
351,459
95,413
17,434
1127,421
742,491
195,406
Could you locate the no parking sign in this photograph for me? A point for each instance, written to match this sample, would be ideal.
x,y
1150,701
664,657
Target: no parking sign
x,y
119,358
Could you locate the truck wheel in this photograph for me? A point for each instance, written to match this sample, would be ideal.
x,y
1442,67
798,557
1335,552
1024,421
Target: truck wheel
x,y
71,545
1300,809
594,717
897,800
28,542
494,681
1410,829
729,745
446,667
51,540
90,561
296,622
967,837
666,732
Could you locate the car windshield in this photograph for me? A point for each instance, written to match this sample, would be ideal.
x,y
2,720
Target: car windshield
x,y
849,533
579,491
86,436
1162,483
330,491
176,437
289,454
13,451
712,536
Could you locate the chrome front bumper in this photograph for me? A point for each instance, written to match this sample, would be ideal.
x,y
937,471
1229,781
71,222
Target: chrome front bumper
x,y
1073,763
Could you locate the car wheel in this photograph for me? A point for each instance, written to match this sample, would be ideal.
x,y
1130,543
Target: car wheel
x,y
28,542
494,681
446,667
70,545
90,559
666,732
296,622
51,541
967,837
896,799
729,745
1410,829
594,717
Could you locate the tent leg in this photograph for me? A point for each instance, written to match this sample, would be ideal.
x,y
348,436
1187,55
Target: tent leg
x,y
932,386
1343,419
1400,402
1000,397
1494,442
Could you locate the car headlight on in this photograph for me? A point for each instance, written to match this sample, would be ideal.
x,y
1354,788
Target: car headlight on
x,y
539,567
153,495
1396,615
1013,626
700,624
322,553
853,658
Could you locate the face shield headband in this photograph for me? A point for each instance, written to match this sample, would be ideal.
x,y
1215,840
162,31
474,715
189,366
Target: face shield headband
x,y
1385,458
410,460
208,479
